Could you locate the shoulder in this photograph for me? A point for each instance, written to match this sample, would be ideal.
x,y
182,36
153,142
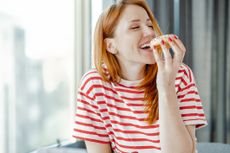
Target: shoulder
x,y
185,72
91,79
184,77
91,74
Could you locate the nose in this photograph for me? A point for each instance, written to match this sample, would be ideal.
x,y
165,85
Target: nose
x,y
148,31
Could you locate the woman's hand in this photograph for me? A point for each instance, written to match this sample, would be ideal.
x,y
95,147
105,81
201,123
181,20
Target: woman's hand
x,y
169,111
168,66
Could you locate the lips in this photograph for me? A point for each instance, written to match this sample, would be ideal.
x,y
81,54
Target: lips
x,y
145,46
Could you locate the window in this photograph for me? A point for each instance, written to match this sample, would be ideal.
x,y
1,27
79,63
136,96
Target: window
x,y
45,48
36,73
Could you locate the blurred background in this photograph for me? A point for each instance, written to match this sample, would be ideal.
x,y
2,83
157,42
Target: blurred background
x,y
46,46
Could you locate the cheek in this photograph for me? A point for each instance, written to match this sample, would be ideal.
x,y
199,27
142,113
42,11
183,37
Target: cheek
x,y
125,44
133,42
128,42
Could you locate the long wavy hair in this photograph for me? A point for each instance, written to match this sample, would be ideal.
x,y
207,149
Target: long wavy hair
x,y
105,28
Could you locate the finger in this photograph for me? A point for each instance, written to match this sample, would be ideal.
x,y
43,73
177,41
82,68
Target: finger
x,y
167,55
157,57
178,52
179,43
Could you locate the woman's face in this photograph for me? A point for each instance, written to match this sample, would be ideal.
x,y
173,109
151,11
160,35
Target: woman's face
x,y
132,36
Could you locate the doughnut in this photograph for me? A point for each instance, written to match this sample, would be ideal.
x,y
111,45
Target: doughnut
x,y
157,41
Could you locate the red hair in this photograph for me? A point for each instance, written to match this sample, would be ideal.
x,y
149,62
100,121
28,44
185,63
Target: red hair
x,y
105,28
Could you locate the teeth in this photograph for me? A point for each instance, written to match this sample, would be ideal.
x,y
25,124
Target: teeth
x,y
145,45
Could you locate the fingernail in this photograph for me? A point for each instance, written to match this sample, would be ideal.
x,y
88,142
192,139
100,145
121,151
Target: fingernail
x,y
170,39
162,42
175,37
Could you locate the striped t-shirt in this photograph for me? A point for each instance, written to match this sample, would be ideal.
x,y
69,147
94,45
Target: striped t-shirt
x,y
115,113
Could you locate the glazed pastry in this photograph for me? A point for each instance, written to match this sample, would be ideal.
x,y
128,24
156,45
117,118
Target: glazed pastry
x,y
157,41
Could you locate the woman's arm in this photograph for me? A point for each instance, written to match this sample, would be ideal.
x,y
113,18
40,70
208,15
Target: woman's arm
x,y
192,131
175,137
93,147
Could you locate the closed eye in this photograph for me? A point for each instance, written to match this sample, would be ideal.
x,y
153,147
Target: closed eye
x,y
137,27
150,26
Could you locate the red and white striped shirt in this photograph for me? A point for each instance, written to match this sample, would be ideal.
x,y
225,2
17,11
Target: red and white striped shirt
x,y
114,113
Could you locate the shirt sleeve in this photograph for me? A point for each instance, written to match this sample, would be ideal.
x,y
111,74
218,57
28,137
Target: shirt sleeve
x,y
190,103
88,122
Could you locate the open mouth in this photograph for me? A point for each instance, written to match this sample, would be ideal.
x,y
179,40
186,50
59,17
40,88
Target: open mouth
x,y
145,46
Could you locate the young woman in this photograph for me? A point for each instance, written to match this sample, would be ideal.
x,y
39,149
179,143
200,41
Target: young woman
x,y
137,100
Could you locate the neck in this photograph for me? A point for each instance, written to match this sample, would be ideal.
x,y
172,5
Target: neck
x,y
132,72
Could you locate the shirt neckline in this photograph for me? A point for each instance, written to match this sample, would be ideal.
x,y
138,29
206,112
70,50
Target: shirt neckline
x,y
129,83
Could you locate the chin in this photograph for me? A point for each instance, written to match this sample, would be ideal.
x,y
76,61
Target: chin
x,y
149,61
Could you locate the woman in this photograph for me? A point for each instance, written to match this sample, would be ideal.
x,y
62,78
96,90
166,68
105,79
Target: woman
x,y
137,100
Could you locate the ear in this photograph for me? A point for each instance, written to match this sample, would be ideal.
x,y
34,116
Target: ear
x,y
110,45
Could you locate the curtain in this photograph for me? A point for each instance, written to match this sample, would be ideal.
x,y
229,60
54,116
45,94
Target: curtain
x,y
220,72
204,28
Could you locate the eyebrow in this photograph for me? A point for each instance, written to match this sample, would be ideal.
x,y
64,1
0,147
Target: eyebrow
x,y
138,20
